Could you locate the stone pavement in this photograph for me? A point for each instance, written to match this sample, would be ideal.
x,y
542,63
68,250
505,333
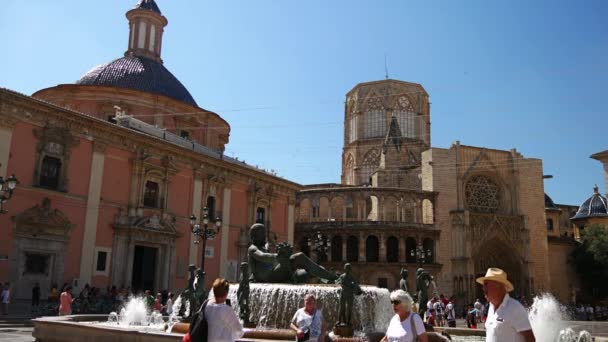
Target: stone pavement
x,y
17,325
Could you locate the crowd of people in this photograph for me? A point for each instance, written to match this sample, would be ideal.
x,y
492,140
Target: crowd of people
x,y
94,300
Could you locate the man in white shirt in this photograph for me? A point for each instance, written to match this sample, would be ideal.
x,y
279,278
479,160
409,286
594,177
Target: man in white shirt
x,y
507,319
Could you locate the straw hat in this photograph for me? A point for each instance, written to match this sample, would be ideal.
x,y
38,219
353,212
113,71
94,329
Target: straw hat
x,y
496,274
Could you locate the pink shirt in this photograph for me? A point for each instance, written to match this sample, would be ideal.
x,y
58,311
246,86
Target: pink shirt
x,y
65,307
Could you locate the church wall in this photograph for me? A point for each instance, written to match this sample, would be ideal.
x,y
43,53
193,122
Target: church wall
x,y
564,280
531,203
439,174
115,147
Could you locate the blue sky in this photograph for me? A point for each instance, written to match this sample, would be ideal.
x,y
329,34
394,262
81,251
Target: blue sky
x,y
509,74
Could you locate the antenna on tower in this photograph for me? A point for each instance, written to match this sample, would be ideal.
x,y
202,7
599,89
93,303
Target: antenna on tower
x,y
385,68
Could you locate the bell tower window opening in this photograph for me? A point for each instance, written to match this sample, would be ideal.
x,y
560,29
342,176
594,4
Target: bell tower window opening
x,y
352,129
370,164
549,225
375,124
151,193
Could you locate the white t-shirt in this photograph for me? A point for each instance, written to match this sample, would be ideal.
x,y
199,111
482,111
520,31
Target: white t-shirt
x,y
505,323
169,306
451,312
305,322
224,325
401,331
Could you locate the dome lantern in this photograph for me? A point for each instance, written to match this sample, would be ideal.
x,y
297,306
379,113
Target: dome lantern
x,y
146,26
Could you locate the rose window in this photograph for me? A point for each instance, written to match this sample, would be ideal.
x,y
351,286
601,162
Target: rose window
x,y
482,195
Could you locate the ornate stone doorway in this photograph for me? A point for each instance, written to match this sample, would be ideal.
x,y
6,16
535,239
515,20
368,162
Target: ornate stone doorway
x,y
144,268
144,253
41,238
496,253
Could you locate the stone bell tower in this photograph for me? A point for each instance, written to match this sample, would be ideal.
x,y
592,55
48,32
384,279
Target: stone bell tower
x,y
386,123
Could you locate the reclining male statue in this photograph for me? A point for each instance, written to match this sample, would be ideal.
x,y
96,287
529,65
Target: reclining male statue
x,y
283,266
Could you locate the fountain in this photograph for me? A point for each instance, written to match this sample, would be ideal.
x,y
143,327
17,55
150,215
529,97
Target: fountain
x,y
271,303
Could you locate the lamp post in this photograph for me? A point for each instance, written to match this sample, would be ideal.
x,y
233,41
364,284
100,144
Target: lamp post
x,y
319,244
421,254
6,190
204,232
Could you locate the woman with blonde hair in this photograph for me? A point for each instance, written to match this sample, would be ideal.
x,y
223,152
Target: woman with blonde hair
x,y
405,326
307,322
223,323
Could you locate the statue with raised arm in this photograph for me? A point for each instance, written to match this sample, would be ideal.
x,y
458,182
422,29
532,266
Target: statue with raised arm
x,y
423,281
283,266
403,281
350,288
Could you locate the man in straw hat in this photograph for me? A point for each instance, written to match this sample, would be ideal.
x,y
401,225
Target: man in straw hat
x,y
507,319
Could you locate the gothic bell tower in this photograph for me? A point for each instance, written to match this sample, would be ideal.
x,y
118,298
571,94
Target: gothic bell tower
x,y
386,127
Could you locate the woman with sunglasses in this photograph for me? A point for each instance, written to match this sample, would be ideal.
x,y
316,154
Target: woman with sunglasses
x,y
405,326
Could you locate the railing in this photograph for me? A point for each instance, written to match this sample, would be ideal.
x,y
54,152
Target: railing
x,y
392,224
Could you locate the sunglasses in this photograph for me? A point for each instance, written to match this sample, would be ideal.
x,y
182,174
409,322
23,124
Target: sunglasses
x,y
395,302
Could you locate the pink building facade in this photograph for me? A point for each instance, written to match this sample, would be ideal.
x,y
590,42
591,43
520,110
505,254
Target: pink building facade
x,y
112,167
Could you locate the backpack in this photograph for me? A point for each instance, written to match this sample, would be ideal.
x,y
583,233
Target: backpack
x,y
199,327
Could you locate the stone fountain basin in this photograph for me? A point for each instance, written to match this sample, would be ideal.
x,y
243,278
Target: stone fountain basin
x,y
79,328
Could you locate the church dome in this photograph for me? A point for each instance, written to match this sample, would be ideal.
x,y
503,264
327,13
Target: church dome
x,y
594,206
139,73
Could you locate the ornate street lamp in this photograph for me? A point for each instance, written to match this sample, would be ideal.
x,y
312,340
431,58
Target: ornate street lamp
x,y
421,254
6,190
204,232
319,244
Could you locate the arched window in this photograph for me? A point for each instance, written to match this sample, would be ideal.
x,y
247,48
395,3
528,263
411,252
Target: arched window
x,y
482,194
429,249
352,249
371,249
392,249
374,118
406,117
350,212
349,170
316,207
336,248
304,248
427,212
410,250
371,161
352,129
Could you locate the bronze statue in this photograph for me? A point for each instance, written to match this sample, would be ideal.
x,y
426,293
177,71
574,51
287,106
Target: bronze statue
x,y
280,267
242,294
350,288
423,281
403,281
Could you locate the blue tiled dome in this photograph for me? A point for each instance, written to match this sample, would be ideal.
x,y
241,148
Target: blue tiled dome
x,y
139,73
594,206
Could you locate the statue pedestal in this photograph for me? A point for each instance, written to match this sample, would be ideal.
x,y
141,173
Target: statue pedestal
x,y
341,330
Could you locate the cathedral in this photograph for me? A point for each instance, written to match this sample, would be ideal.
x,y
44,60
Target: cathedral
x,y
455,211
112,167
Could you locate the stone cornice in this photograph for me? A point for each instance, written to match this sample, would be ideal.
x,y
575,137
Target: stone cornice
x,y
15,106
